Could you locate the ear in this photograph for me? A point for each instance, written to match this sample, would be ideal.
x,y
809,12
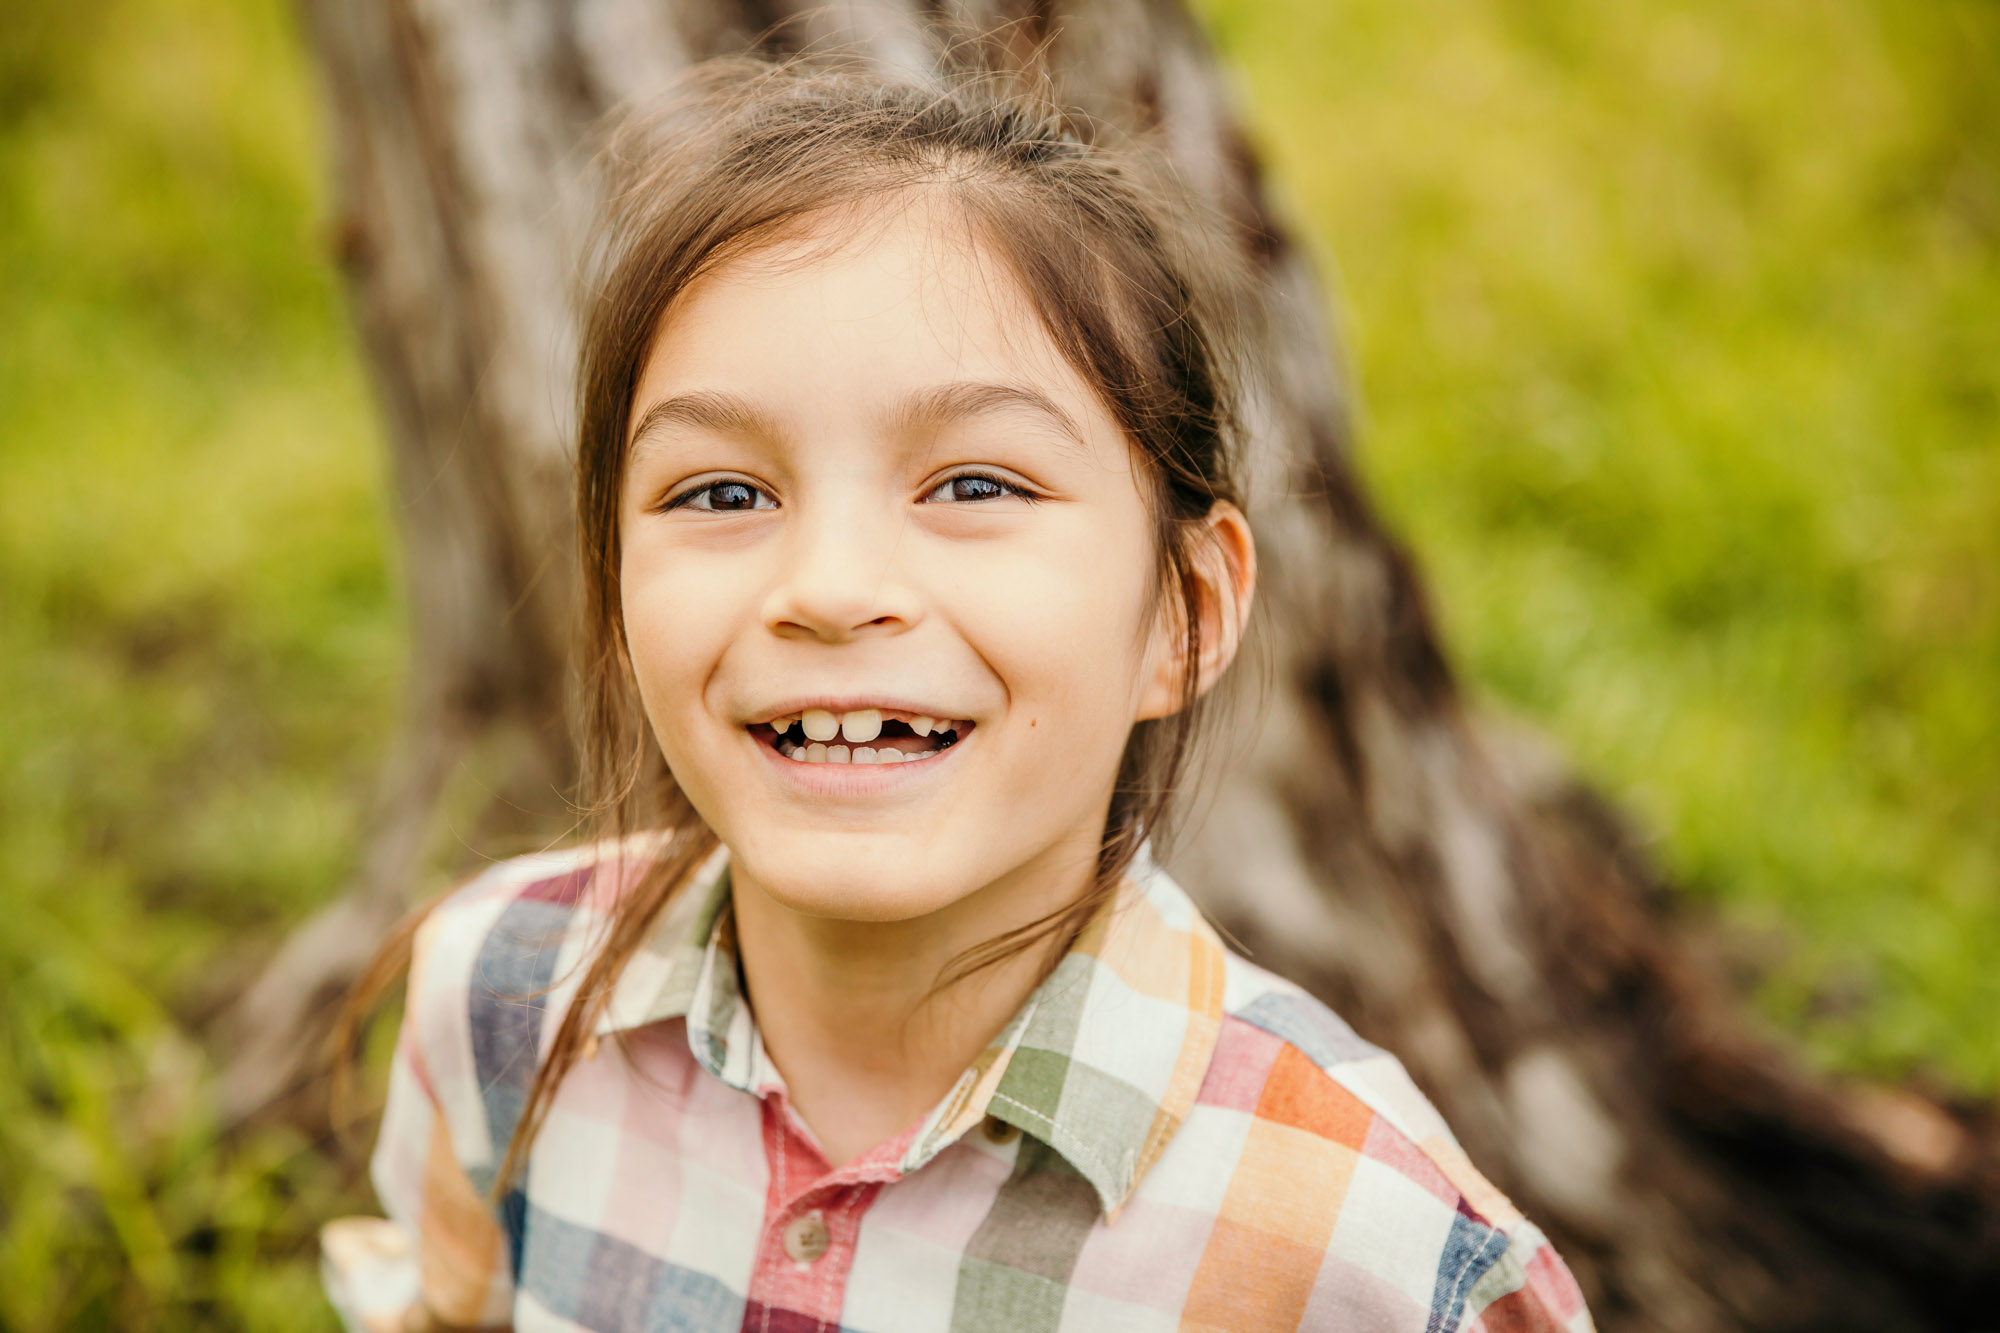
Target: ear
x,y
1224,570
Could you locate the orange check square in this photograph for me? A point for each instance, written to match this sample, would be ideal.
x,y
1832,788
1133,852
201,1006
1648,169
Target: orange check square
x,y
1297,1093
1250,1280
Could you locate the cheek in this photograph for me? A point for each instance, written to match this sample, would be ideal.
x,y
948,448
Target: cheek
x,y
1063,627
677,620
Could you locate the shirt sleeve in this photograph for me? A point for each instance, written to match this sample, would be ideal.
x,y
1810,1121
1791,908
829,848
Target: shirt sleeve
x,y
440,1256
1527,1290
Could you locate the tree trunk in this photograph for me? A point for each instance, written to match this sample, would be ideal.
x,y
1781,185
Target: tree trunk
x,y
1444,883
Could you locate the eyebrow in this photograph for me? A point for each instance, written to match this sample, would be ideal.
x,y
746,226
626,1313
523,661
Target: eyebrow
x,y
939,405
946,403
703,409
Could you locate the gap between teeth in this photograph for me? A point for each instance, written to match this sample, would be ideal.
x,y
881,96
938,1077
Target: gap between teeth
x,y
857,727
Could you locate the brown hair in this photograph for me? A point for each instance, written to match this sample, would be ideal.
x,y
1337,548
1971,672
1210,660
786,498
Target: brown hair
x,y
1114,256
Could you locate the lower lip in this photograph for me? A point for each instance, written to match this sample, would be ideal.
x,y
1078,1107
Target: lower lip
x,y
828,779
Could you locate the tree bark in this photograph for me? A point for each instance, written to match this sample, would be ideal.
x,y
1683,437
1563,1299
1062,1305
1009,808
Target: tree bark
x,y
1443,881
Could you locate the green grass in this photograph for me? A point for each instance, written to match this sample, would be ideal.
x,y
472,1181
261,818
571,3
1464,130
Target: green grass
x,y
1676,328
199,645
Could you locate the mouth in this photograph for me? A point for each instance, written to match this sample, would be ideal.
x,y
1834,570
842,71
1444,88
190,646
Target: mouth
x,y
859,736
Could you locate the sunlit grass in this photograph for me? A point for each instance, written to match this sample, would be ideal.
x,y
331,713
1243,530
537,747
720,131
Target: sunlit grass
x,y
1676,326
199,647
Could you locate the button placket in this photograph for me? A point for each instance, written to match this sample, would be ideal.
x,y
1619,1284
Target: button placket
x,y
813,1217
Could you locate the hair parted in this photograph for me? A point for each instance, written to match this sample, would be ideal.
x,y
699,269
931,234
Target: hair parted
x,y
1129,280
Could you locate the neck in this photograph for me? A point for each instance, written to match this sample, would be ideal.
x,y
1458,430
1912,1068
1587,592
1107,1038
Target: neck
x,y
850,1013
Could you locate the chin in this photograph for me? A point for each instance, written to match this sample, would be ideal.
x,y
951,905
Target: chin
x,y
849,884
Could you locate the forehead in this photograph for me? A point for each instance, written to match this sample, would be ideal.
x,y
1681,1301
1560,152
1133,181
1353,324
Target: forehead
x,y
863,303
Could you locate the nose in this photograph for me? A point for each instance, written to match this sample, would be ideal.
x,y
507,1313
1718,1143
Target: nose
x,y
841,580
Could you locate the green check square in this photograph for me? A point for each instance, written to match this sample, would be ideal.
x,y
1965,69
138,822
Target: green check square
x,y
1034,1081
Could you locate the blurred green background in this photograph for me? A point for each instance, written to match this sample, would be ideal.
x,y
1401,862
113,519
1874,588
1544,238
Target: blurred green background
x,y
1678,333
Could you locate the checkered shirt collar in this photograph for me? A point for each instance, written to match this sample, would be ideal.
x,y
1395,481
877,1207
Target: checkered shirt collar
x,y
1102,1063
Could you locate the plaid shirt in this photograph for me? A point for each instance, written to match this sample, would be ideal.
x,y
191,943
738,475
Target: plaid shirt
x,y
1164,1137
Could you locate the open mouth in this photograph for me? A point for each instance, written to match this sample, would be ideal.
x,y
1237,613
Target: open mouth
x,y
862,736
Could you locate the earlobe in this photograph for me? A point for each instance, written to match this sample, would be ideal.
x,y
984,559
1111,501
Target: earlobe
x,y
1223,569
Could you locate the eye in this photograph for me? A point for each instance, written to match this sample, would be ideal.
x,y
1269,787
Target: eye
x,y
971,487
723,497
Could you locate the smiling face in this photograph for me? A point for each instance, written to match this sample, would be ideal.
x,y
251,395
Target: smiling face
x,y
866,492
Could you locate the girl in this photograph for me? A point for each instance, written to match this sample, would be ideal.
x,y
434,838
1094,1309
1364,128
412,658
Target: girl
x,y
911,550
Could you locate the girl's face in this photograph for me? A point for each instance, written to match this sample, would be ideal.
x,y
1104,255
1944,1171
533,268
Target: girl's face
x,y
866,492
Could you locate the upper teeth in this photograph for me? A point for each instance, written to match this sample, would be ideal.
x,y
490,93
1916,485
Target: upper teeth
x,y
857,727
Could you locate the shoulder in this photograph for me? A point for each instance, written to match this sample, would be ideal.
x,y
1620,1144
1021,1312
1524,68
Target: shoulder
x,y
487,968
1314,1052
520,916
513,917
555,878
1332,1138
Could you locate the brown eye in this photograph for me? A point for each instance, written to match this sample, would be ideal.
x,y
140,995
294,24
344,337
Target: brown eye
x,y
970,488
725,497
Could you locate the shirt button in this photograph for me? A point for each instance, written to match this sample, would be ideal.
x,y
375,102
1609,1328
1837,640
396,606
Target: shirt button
x,y
806,1237
999,1131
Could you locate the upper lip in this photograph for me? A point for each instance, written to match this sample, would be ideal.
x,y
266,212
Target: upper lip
x,y
854,703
